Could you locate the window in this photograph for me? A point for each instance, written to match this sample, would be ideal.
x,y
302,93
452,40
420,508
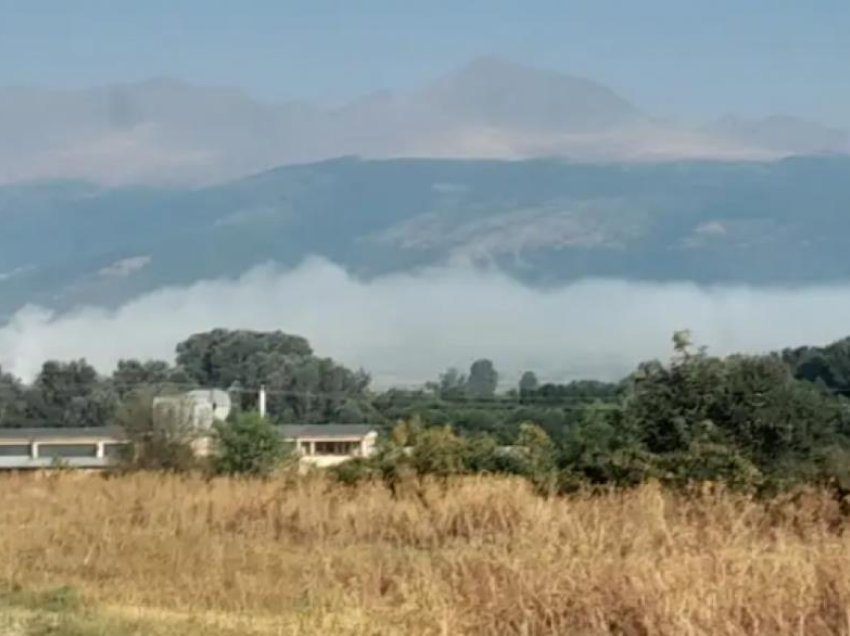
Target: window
x,y
14,450
67,450
337,448
114,450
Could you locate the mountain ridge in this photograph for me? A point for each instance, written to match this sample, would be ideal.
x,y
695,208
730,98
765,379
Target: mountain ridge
x,y
166,131
543,221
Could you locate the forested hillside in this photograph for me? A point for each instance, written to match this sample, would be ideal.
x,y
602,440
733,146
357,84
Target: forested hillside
x,y
544,221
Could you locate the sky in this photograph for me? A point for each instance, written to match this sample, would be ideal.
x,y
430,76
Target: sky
x,y
690,59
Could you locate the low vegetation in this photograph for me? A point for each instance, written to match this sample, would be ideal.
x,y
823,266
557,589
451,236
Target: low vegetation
x,y
151,553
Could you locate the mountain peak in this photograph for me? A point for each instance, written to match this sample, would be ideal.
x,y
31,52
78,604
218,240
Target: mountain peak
x,y
504,93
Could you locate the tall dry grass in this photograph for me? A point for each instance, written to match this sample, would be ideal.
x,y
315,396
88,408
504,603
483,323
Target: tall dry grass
x,y
485,556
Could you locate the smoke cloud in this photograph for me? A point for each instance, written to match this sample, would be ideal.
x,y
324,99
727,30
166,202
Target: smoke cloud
x,y
406,328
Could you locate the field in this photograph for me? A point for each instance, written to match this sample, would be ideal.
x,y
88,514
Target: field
x,y
150,554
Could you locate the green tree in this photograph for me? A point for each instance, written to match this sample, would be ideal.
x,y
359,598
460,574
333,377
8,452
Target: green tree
x,y
70,394
452,385
483,379
528,383
13,402
249,445
301,386
438,451
749,405
132,375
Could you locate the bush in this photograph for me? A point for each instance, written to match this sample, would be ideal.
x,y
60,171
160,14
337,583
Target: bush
x,y
354,471
250,445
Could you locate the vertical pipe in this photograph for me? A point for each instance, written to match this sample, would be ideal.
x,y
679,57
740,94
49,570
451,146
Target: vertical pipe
x,y
261,402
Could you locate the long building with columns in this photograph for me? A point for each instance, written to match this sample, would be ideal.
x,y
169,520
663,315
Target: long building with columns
x,y
318,445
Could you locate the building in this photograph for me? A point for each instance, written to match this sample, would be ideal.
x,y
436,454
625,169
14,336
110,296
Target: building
x,y
324,445
320,445
199,409
28,448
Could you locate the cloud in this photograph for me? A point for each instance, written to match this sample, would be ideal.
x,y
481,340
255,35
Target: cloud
x,y
406,328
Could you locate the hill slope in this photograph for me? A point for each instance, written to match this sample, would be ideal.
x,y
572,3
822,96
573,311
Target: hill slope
x,y
544,221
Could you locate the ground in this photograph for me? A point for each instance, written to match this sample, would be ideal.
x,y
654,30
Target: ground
x,y
168,555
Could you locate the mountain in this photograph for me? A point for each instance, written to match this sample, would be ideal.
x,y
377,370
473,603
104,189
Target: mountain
x,y
168,132
784,134
545,221
499,94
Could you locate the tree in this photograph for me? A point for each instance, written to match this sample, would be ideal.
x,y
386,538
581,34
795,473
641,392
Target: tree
x,y
438,451
70,394
13,402
731,411
249,445
828,366
483,379
131,375
528,383
221,357
452,385
301,386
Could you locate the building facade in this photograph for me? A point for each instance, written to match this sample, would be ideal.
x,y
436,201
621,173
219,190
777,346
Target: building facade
x,y
319,445
325,445
28,448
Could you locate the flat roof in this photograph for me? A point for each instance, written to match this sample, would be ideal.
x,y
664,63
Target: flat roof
x,y
60,432
326,430
116,432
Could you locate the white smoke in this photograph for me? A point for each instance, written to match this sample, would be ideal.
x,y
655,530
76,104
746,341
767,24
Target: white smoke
x,y
406,328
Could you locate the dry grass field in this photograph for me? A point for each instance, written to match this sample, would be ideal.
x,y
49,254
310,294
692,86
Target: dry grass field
x,y
149,554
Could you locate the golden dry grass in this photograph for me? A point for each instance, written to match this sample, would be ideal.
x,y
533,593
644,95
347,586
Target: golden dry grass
x,y
171,555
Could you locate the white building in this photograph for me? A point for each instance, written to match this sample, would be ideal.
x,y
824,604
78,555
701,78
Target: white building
x,y
200,408
324,445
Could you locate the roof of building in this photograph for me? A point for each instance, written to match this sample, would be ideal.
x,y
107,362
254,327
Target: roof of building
x,y
60,432
326,430
287,430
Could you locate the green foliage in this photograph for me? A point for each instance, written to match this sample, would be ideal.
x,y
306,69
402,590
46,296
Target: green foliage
x,y
69,394
301,386
603,449
757,423
133,375
13,402
483,379
354,471
249,445
827,366
708,462
528,383
438,451
736,419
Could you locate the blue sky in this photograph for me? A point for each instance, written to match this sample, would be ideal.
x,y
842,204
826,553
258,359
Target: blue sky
x,y
686,58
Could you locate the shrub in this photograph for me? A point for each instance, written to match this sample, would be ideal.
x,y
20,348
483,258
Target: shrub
x,y
250,445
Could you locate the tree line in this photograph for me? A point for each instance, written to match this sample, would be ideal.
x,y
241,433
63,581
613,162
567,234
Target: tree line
x,y
762,422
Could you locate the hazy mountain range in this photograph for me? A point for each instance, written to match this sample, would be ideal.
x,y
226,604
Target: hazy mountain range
x,y
170,132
